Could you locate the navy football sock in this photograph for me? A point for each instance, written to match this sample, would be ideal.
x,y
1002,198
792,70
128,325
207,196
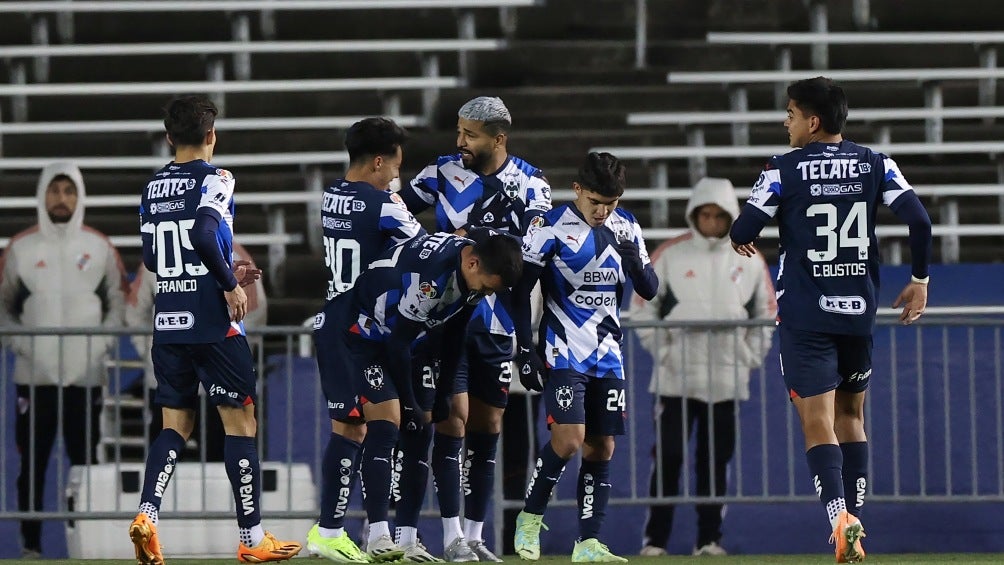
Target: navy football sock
x,y
855,472
446,471
414,476
545,475
593,493
479,474
338,474
825,462
378,449
240,457
160,465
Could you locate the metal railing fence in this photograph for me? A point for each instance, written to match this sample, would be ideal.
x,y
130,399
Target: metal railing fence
x,y
934,417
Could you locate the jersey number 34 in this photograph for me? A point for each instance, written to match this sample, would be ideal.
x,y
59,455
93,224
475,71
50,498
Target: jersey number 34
x,y
853,231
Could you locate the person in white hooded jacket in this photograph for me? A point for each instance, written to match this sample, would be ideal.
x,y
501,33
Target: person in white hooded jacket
x,y
701,374
59,273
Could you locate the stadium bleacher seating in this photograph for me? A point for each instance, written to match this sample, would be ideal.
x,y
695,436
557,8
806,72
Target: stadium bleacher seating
x,y
288,90
568,93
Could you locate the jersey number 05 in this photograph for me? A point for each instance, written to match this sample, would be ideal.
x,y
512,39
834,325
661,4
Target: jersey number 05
x,y
169,237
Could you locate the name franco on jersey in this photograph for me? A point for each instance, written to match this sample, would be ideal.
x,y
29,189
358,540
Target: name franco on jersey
x,y
191,285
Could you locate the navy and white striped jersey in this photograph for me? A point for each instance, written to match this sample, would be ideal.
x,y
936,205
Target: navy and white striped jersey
x,y
582,282
419,280
825,197
189,306
505,200
360,222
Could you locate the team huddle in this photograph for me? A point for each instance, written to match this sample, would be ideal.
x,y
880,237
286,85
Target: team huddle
x,y
432,325
421,333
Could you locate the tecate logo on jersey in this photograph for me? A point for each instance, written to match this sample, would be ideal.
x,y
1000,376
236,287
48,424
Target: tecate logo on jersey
x,y
830,169
165,188
170,321
341,204
850,305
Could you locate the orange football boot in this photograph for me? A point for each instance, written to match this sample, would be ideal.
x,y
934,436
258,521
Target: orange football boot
x,y
847,536
270,549
143,534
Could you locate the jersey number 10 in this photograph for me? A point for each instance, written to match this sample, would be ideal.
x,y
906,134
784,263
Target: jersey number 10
x,y
344,270
856,221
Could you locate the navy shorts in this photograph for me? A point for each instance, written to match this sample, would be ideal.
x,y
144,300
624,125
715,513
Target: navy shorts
x,y
573,398
225,369
485,368
334,361
814,363
352,367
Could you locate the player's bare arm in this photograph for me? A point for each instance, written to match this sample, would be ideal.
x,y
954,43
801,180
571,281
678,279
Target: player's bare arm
x,y
913,298
237,300
744,249
244,273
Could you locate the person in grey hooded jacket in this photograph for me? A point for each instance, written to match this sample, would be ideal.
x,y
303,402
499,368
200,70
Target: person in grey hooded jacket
x,y
58,273
701,374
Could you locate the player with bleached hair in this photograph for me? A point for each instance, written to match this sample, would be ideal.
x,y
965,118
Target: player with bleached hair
x,y
480,185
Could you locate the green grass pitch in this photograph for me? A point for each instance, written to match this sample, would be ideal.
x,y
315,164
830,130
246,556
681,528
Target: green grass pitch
x,y
911,559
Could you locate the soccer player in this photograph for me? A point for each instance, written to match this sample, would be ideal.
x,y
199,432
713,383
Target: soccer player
x,y
361,219
481,185
584,253
824,195
186,223
413,287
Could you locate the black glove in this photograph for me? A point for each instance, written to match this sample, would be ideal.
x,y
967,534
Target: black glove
x,y
412,417
630,256
532,373
492,212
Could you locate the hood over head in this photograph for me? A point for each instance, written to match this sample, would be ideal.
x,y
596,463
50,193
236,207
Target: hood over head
x,y
711,190
52,170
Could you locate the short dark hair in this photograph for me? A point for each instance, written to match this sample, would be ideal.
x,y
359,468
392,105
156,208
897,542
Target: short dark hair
x,y
822,98
60,177
188,119
499,254
496,127
370,137
603,174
